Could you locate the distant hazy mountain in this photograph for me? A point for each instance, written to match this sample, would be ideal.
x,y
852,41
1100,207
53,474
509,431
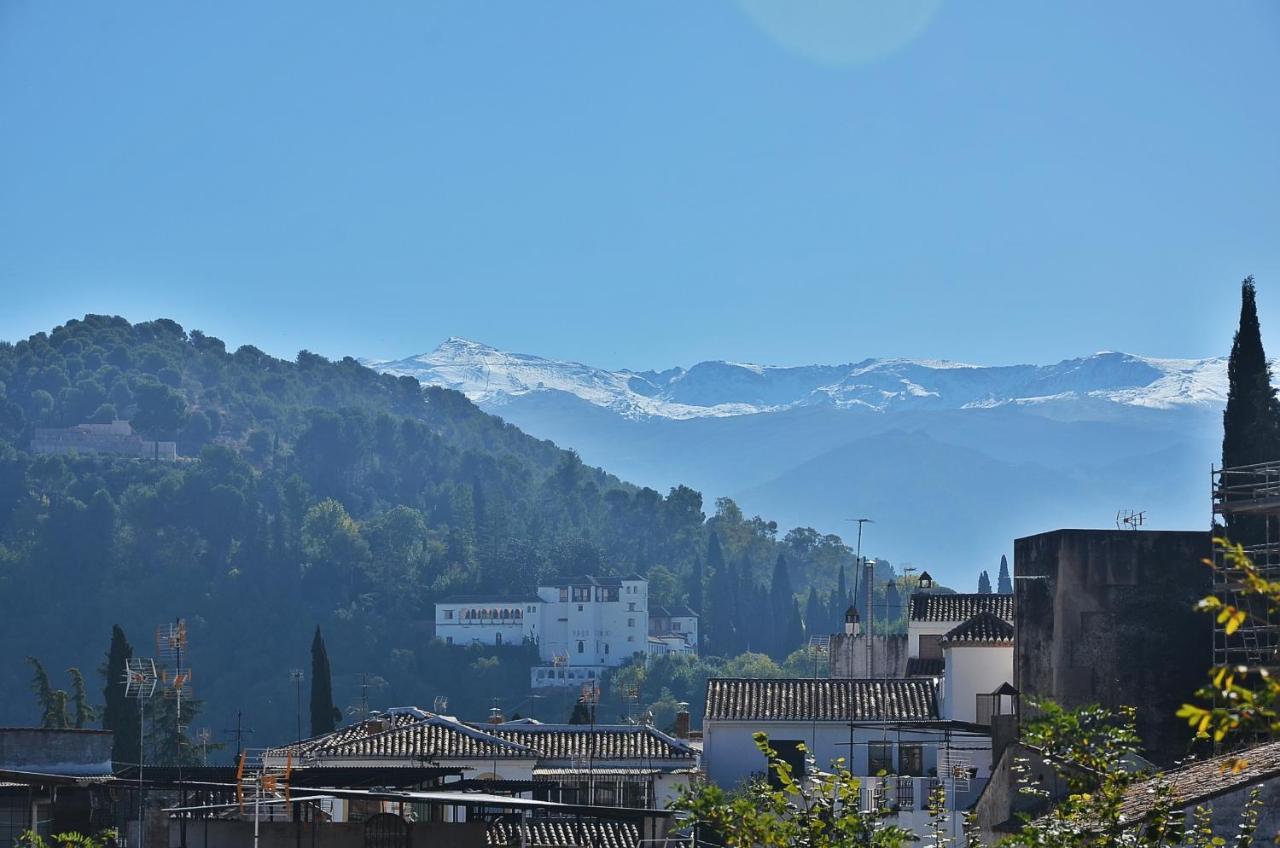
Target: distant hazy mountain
x,y
952,461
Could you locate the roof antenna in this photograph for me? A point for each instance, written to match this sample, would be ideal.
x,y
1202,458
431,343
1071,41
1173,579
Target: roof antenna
x,y
1128,519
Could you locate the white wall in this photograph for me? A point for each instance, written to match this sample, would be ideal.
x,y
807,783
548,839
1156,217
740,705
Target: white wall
x,y
971,671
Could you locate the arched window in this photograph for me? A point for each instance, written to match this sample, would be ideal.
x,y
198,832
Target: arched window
x,y
582,648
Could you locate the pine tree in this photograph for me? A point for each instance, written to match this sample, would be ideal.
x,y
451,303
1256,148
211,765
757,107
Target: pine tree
x,y
324,715
984,583
1005,583
120,713
1251,420
781,601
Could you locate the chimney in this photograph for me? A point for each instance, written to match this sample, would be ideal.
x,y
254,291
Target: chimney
x,y
682,720
851,625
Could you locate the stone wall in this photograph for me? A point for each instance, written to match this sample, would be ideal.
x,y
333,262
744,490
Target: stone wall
x,y
1106,616
848,655
47,751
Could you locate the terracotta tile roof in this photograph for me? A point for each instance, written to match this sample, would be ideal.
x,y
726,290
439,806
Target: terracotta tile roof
x,y
351,733
930,606
924,667
408,737
820,699
1200,782
611,742
566,834
985,628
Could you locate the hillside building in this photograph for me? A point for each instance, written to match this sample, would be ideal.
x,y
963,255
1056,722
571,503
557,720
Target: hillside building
x,y
581,625
114,438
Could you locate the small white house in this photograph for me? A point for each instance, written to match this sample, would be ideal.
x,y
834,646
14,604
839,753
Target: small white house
x,y
933,615
978,662
901,746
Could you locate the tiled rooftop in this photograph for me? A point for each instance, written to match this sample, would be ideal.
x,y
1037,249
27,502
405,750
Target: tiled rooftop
x,y
820,699
614,742
1203,781
924,667
929,606
985,628
565,834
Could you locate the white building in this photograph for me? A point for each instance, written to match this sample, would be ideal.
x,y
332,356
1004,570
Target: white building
x,y
978,661
892,727
581,625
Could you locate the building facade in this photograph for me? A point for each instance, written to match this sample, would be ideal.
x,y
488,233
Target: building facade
x,y
115,438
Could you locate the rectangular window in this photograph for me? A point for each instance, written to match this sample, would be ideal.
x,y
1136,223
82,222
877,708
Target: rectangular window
x,y
564,594
930,647
879,758
631,607
788,751
675,627
448,614
448,640
911,760
631,622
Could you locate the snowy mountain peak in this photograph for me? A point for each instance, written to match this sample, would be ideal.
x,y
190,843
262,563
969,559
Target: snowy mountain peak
x,y
493,378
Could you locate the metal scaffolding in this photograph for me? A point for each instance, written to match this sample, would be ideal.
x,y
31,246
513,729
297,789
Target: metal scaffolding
x,y
1248,493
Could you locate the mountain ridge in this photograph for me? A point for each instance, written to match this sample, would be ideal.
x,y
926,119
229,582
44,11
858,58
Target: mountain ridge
x,y
722,388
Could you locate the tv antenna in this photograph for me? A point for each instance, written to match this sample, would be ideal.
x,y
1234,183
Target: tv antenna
x,y
1128,519
440,704
296,677
171,641
140,681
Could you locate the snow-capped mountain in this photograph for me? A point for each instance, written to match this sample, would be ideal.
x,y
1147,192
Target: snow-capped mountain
x,y
490,377
953,461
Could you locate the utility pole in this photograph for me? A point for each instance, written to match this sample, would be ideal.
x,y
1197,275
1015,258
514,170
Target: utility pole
x,y
239,731
869,588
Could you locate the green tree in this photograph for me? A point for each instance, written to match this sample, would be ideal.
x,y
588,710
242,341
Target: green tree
x,y
324,715
52,702
984,583
1251,420
781,600
84,712
721,635
1005,584
814,612
119,713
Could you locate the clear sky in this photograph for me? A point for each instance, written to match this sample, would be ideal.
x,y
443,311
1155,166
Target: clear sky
x,y
646,183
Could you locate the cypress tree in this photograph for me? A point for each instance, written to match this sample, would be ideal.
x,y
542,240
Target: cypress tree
x,y
119,713
893,603
795,628
1005,582
694,584
984,583
838,603
84,711
1251,421
814,612
324,715
781,601
721,638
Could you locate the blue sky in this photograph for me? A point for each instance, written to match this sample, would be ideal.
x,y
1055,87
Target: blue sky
x,y
646,183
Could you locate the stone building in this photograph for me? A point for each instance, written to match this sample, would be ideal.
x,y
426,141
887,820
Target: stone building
x,y
115,438
1107,617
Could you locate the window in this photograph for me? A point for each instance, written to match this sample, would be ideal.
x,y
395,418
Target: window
x,y
788,751
564,594
448,614
579,607
530,609
930,647
631,607
582,648
606,647
675,627
448,640
497,638
631,622
911,760
879,758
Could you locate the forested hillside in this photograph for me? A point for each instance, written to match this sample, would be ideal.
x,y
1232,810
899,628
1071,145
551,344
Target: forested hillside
x,y
319,492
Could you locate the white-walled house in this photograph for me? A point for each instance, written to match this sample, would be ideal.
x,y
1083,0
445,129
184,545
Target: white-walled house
x,y
932,615
581,625
891,725
635,766
477,619
978,662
